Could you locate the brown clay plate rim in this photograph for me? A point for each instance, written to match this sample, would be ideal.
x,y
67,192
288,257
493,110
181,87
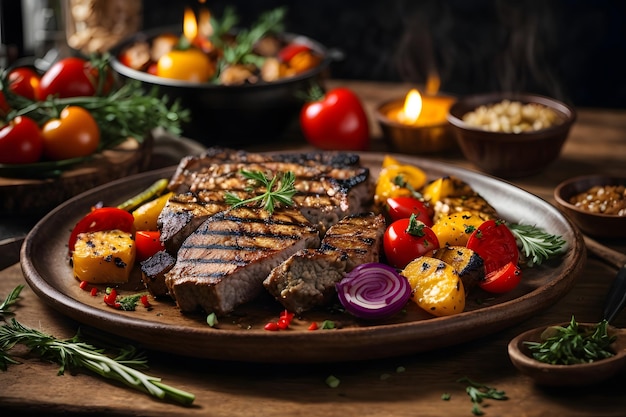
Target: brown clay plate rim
x,y
44,263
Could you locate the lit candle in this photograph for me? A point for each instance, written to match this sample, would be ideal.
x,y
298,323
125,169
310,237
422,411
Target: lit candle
x,y
190,26
421,110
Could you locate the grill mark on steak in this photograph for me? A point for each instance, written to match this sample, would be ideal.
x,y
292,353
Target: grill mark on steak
x,y
329,187
222,264
307,279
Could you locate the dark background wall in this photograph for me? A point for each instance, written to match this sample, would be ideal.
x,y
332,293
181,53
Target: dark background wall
x,y
574,50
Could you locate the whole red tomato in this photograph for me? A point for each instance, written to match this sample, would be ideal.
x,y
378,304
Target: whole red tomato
x,y
336,121
4,106
74,134
408,239
73,77
20,142
402,207
24,81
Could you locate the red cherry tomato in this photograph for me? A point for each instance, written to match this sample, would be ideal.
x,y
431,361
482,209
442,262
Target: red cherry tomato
x,y
20,142
503,279
403,206
148,243
101,219
74,134
336,121
291,50
407,239
24,81
73,77
4,106
495,243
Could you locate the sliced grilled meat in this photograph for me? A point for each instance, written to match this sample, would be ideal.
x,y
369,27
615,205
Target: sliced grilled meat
x,y
223,263
153,272
307,279
329,187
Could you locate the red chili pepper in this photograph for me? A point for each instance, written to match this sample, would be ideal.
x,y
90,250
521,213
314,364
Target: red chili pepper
x,y
144,300
271,326
94,291
283,323
84,285
110,299
313,326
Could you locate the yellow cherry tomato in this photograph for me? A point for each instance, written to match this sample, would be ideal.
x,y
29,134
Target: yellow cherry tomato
x,y
185,65
396,180
74,134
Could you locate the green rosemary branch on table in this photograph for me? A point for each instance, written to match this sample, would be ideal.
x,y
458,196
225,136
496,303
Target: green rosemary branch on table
x,y
5,306
75,353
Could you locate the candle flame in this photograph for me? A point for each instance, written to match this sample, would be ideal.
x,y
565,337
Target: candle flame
x,y
190,26
204,23
412,106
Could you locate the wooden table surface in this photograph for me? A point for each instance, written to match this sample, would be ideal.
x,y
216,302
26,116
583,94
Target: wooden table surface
x,y
400,386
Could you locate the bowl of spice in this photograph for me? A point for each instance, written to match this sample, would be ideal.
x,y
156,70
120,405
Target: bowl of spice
x,y
595,203
510,135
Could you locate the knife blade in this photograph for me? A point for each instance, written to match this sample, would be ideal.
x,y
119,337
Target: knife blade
x,y
616,297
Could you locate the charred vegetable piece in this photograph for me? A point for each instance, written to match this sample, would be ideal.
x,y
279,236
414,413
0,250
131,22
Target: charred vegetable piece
x,y
104,257
437,287
447,186
468,264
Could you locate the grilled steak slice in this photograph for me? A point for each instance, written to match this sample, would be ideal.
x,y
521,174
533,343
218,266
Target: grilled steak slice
x,y
223,263
153,272
329,187
307,279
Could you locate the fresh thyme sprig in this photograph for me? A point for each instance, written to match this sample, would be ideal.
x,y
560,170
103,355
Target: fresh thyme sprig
x,y
573,344
75,353
8,302
279,189
536,245
479,392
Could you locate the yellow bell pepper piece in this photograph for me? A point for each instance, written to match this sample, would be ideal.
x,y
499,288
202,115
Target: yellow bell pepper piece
x,y
147,214
396,179
105,257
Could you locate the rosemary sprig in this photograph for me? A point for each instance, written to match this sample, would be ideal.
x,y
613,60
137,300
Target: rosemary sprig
x,y
241,51
479,392
5,306
572,344
279,189
536,245
126,112
75,353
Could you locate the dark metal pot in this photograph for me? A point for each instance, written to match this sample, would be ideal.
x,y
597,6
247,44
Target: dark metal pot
x,y
232,115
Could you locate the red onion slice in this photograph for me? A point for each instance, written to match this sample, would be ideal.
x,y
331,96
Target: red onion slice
x,y
373,291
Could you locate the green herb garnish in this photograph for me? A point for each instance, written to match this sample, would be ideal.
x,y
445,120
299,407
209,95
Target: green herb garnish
x,y
5,306
75,353
536,245
278,190
241,51
573,344
479,392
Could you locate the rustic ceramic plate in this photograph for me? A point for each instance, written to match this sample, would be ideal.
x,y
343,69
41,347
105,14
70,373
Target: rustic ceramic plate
x,y
241,336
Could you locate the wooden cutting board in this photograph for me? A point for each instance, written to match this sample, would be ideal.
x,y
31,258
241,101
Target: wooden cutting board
x,y
36,196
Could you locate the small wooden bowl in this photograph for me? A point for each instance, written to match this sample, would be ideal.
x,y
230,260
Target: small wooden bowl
x,y
593,224
566,375
510,155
